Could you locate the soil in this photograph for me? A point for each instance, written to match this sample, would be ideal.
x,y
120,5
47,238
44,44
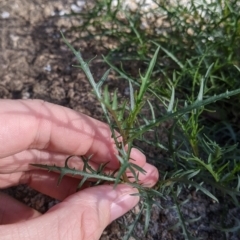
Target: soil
x,y
36,64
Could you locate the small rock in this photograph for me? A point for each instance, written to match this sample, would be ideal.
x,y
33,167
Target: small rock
x,y
48,68
5,15
75,8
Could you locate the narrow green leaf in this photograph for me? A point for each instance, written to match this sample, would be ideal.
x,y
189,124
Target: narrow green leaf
x,y
171,103
205,191
60,178
82,182
171,56
101,168
193,220
193,174
220,169
237,67
147,216
89,61
200,94
152,110
89,75
135,174
208,72
115,101
120,115
103,79
138,168
70,171
120,173
106,96
146,78
184,110
238,185
152,64
132,100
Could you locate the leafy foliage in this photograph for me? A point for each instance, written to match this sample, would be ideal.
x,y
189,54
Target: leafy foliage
x,y
190,65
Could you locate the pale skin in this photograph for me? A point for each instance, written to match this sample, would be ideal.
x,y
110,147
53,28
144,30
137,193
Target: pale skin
x,y
34,131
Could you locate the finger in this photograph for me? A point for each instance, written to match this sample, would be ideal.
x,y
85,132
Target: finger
x,y
10,179
21,161
13,211
48,183
35,124
83,215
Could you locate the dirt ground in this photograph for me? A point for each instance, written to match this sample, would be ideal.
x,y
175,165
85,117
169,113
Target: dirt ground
x,y
36,64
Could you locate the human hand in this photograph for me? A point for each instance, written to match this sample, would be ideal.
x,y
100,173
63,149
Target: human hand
x,y
33,131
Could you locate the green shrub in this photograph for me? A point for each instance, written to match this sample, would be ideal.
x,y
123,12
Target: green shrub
x,y
189,58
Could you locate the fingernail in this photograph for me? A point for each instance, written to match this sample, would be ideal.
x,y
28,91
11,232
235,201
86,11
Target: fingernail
x,y
124,201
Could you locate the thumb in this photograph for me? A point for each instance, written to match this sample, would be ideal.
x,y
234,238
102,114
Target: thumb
x,y
83,215
95,208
